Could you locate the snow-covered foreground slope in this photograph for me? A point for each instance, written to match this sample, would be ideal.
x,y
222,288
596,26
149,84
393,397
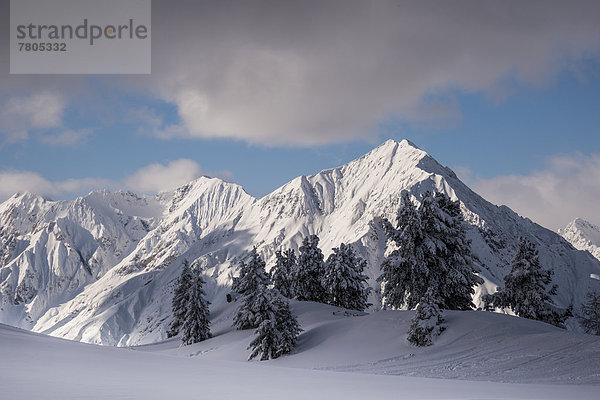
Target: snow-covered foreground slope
x,y
101,269
583,235
477,348
477,345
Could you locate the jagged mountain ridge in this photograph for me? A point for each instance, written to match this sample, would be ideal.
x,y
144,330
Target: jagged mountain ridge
x,y
583,235
126,300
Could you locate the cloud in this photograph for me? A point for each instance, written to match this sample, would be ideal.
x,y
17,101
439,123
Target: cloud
x,y
12,182
312,72
568,188
20,115
148,180
306,73
157,177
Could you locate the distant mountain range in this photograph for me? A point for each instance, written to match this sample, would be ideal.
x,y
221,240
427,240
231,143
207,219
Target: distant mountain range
x,y
101,268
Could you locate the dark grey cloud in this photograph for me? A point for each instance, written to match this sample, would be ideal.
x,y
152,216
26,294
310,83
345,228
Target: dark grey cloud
x,y
311,72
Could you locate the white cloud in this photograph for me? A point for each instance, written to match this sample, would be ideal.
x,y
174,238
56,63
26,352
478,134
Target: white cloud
x,y
568,188
12,182
150,180
157,177
40,114
40,110
20,115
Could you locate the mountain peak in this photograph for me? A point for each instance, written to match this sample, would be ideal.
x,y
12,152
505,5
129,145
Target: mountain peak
x,y
391,145
392,152
583,235
402,143
582,223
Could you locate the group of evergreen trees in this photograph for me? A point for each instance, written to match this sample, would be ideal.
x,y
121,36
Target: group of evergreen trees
x,y
264,308
432,268
339,281
190,308
264,304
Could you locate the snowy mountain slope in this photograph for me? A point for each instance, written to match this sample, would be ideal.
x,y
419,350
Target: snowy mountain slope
x,y
376,361
583,235
214,223
52,250
477,345
114,310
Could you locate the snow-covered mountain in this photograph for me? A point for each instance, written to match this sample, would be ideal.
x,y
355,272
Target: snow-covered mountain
x,y
101,268
583,235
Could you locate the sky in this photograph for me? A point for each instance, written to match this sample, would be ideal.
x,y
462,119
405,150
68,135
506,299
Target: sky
x,y
259,92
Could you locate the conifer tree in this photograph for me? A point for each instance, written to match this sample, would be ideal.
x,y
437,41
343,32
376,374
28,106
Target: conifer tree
x,y
287,324
405,270
426,324
306,279
432,266
433,258
455,272
266,341
525,288
281,274
252,276
180,299
196,325
344,281
277,330
590,314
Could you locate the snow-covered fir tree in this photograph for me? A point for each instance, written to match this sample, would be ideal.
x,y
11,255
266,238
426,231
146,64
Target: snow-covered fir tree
x,y
180,299
405,270
426,324
590,314
281,273
278,329
454,272
432,266
196,325
307,277
343,279
287,325
433,258
252,276
525,289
